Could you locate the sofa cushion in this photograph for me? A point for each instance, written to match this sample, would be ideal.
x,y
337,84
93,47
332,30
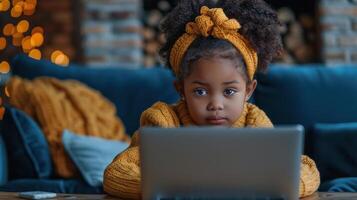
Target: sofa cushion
x,y
308,94
334,150
27,148
132,91
91,154
340,185
68,186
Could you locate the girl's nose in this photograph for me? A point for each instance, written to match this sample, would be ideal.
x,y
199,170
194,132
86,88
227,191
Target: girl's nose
x,y
215,104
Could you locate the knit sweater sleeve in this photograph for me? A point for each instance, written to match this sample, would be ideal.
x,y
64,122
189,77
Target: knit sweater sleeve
x,y
122,177
309,177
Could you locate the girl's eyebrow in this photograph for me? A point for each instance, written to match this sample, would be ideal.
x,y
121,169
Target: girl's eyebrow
x,y
200,82
224,83
230,82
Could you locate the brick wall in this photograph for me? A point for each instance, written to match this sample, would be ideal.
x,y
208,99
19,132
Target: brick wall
x,y
58,21
93,32
111,33
338,20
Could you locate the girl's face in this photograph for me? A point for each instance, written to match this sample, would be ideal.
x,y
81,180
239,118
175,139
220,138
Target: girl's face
x,y
215,92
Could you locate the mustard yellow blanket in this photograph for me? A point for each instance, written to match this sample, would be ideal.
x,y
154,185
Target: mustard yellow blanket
x,y
122,176
57,105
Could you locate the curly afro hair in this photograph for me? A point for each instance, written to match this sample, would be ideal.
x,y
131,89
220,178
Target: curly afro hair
x,y
260,26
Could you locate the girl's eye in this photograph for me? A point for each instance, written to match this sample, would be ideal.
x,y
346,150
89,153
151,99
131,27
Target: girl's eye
x,y
229,92
200,92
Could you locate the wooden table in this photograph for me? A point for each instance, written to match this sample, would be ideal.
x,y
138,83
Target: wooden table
x,y
330,196
14,195
316,196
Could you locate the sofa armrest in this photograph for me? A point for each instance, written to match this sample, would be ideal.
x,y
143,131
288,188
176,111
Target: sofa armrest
x,y
3,162
334,150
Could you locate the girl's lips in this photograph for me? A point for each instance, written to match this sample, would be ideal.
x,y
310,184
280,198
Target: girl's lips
x,y
215,120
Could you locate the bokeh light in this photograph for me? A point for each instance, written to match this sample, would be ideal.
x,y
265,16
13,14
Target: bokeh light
x,y
2,43
4,5
23,26
9,29
37,39
2,112
21,35
35,54
4,67
37,29
59,58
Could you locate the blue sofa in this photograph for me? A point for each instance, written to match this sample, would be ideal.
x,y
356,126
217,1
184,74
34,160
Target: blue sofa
x,y
322,99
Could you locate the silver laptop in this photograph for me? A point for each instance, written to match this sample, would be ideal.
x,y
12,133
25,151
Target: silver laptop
x,y
221,163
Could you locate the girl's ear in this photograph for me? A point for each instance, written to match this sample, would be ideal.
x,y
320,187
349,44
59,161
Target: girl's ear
x,y
250,89
179,87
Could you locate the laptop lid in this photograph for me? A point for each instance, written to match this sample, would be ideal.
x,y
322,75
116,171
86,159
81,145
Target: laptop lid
x,y
220,162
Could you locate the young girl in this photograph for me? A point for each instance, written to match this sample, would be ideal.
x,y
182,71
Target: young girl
x,y
214,48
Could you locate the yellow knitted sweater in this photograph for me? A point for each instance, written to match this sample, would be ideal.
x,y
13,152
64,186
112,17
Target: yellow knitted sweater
x,y
122,176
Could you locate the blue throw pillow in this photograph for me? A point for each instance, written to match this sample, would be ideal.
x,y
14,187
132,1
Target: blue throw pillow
x,y
3,162
27,148
91,154
131,91
334,150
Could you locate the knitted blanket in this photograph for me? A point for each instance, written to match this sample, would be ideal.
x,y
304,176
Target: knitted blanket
x,y
57,105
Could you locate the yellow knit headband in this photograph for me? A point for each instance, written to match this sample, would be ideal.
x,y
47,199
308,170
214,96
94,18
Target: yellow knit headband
x,y
214,22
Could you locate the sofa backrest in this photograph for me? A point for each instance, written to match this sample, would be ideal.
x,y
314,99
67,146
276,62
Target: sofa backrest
x,y
308,95
295,94
132,91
